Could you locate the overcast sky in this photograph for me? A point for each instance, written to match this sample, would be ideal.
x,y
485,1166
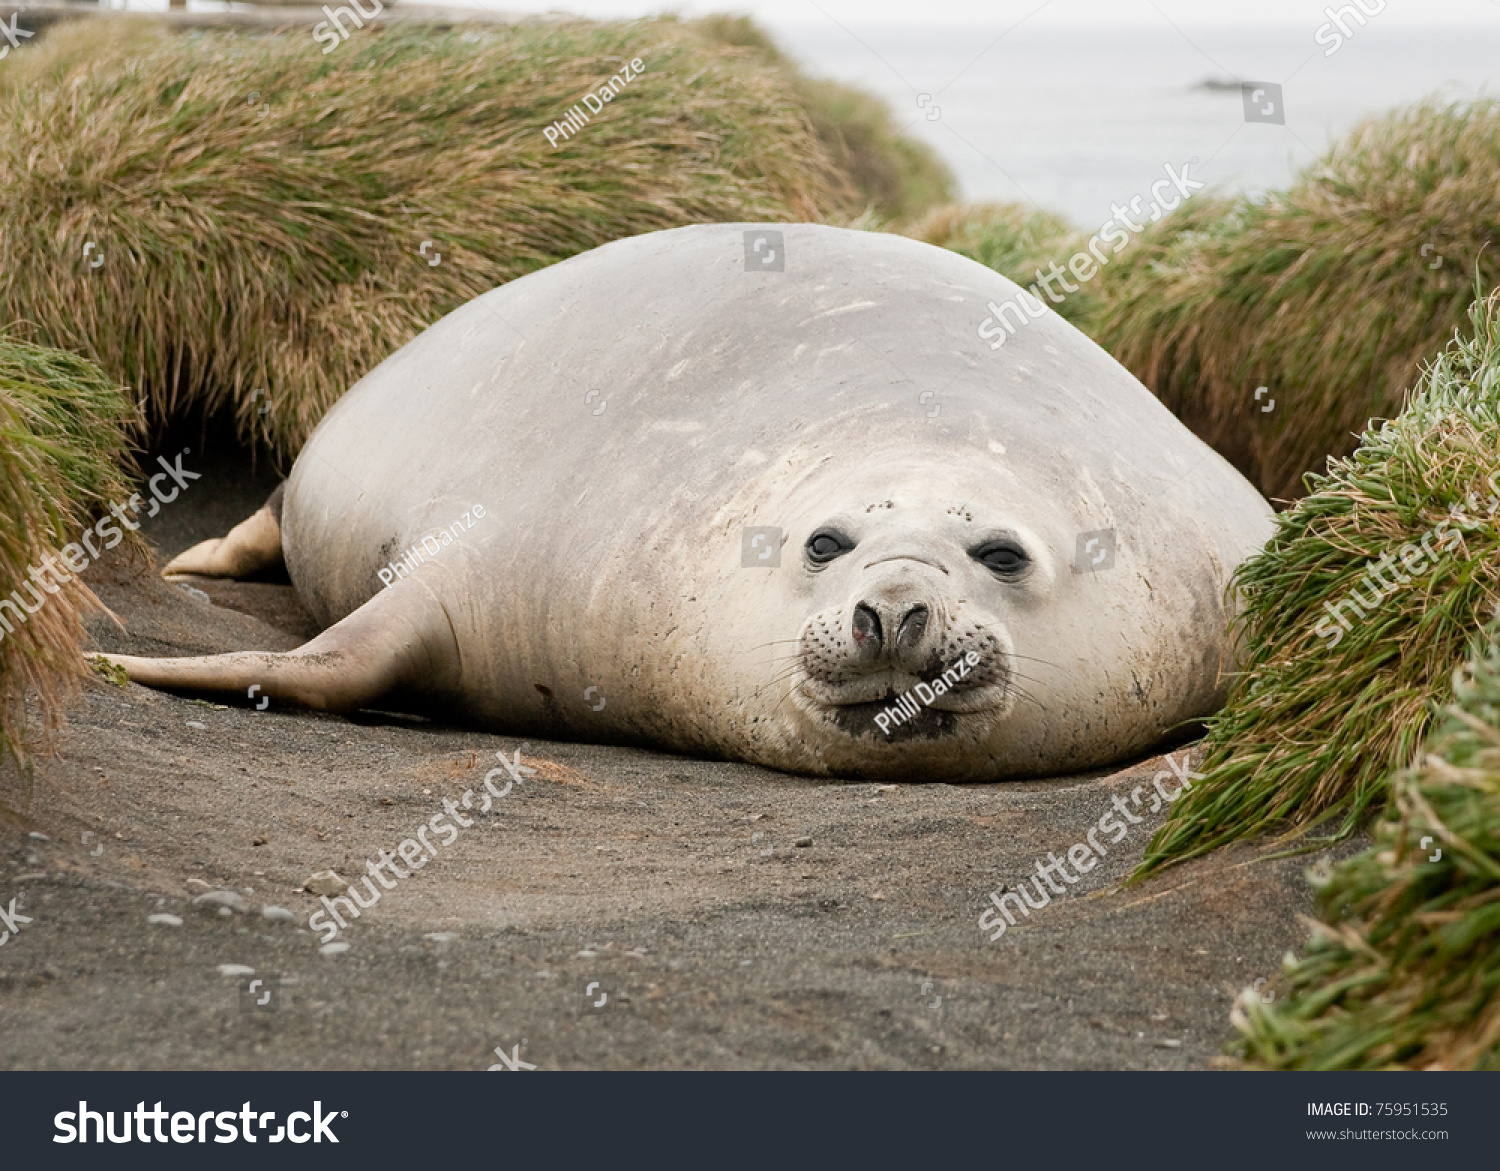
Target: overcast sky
x,y
1049,12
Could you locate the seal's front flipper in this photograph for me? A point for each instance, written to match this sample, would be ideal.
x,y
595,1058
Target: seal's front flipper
x,y
251,546
398,639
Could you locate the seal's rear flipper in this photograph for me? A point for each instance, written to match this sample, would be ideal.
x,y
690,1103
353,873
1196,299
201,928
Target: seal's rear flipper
x,y
251,546
399,638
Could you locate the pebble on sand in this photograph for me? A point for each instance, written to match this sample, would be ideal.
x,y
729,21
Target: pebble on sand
x,y
235,970
325,882
337,948
278,915
223,899
164,920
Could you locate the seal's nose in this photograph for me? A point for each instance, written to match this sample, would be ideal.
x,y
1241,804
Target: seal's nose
x,y
867,631
892,631
909,633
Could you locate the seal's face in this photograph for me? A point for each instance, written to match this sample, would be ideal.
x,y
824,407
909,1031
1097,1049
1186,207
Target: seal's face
x,y
915,596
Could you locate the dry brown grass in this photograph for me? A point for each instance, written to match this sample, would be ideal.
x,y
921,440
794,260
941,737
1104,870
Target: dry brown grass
x,y
895,179
64,430
260,207
1332,294
1328,702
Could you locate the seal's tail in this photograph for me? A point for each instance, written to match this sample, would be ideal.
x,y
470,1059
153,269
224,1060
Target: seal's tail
x,y
251,546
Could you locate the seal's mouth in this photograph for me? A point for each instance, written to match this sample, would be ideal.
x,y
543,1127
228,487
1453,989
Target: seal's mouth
x,y
886,721
883,679
894,705
882,689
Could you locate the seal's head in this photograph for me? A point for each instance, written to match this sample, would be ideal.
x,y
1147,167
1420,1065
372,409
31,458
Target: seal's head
x,y
913,590
912,611
930,619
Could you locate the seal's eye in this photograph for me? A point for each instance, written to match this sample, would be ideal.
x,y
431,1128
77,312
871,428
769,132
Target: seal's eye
x,y
826,544
1005,557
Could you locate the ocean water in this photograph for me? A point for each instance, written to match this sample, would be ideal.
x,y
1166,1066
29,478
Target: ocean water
x,y
1072,121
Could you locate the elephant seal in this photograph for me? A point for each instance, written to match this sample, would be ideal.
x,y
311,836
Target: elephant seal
x,y
754,492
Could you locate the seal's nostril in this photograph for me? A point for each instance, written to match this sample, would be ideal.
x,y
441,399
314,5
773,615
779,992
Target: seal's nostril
x,y
913,626
867,632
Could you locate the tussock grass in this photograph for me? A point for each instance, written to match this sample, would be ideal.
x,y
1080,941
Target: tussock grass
x,y
1332,294
1405,970
260,207
898,177
64,437
1014,240
895,178
1019,242
1320,715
